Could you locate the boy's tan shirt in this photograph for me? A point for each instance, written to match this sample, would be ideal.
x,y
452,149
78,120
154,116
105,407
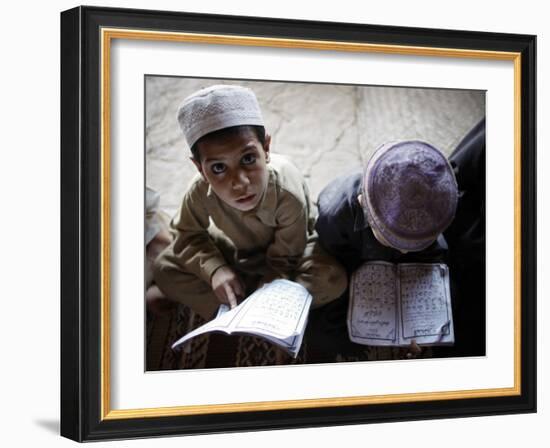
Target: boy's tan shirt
x,y
209,233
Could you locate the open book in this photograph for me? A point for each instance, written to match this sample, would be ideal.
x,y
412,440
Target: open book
x,y
277,312
395,304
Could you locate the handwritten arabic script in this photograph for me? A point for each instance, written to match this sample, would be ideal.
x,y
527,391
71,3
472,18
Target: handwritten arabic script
x,y
374,302
277,309
424,307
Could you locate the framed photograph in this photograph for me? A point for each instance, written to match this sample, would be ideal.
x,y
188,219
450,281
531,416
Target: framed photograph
x,y
139,176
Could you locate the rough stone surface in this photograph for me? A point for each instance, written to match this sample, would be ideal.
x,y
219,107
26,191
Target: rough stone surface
x,y
328,130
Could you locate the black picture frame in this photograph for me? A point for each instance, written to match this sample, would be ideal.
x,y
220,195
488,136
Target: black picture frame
x,y
85,414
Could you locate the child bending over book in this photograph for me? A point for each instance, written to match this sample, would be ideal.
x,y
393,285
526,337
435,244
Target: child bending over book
x,y
393,210
246,218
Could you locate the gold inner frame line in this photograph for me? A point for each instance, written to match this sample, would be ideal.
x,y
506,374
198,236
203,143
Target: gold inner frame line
x,y
107,35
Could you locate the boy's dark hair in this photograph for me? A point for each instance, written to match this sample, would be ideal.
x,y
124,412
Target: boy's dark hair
x,y
225,132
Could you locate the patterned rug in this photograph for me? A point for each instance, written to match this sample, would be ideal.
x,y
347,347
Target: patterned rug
x,y
215,350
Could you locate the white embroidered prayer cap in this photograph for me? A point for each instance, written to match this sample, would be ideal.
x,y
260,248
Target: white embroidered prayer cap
x,y
217,107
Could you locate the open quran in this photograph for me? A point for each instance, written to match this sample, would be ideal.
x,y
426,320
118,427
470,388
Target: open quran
x,y
277,312
394,304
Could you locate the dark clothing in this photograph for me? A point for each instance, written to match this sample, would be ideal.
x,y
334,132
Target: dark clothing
x,y
466,239
345,233
466,234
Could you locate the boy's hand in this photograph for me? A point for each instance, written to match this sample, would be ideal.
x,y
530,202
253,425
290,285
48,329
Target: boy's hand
x,y
414,350
227,286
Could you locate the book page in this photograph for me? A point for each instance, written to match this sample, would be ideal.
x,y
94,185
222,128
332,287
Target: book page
x,y
372,317
278,309
221,322
426,314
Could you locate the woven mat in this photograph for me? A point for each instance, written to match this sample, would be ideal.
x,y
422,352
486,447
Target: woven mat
x,y
216,350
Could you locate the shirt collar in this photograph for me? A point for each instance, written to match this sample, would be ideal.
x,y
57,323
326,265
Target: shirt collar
x,y
210,193
265,210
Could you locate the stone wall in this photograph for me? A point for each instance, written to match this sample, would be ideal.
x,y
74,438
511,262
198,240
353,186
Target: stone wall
x,y
328,130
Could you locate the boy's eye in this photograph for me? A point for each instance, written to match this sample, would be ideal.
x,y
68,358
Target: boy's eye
x,y
248,159
217,168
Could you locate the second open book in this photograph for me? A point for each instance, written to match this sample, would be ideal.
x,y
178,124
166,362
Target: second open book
x,y
394,304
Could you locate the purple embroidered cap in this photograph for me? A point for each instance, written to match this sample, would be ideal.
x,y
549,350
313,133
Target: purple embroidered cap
x,y
410,193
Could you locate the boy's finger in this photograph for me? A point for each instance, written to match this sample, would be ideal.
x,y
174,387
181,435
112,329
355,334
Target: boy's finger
x,y
415,348
220,294
238,288
230,296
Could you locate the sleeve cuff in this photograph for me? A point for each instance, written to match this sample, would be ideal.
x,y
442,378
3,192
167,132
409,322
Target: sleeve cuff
x,y
210,266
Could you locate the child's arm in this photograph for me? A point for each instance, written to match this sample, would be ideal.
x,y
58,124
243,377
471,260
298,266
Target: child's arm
x,y
195,251
193,248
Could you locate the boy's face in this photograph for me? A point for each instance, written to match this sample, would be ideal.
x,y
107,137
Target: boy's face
x,y
235,166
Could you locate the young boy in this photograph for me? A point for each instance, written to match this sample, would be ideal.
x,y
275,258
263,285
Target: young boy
x,y
246,218
395,210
